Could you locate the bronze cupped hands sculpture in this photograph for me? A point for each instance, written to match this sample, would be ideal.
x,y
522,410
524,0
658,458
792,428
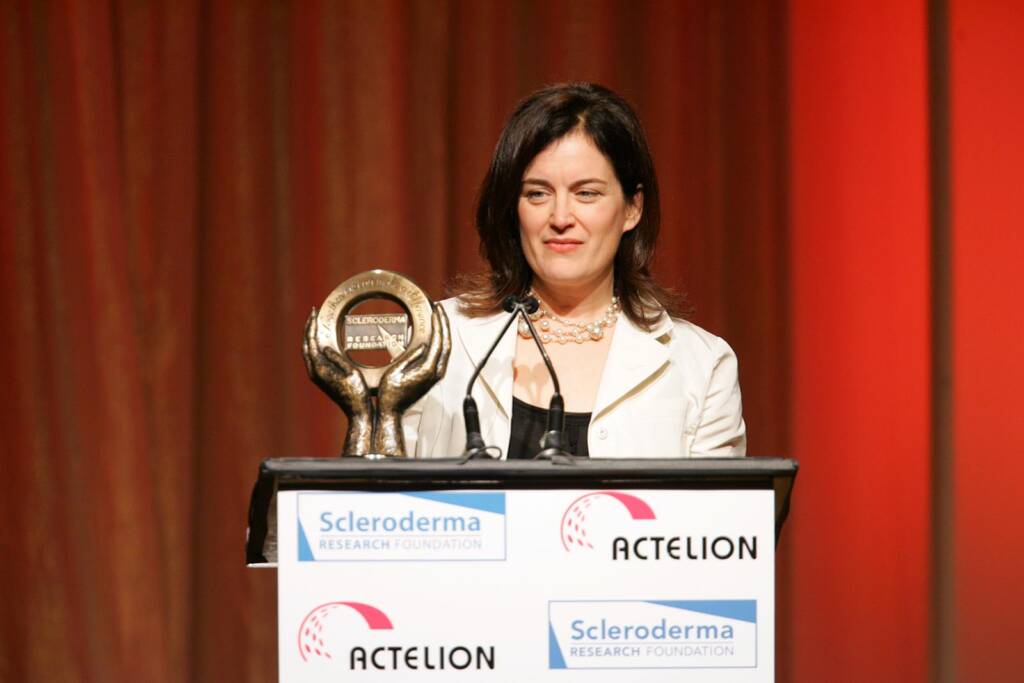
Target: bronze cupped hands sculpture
x,y
374,398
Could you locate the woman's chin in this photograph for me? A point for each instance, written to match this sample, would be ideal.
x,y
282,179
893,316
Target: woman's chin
x,y
566,279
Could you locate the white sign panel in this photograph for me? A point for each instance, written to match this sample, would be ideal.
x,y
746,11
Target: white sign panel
x,y
549,585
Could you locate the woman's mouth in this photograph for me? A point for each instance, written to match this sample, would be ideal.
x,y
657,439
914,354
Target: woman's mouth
x,y
562,246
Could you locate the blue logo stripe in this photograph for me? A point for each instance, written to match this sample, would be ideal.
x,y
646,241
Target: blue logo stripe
x,y
305,552
741,610
555,658
485,502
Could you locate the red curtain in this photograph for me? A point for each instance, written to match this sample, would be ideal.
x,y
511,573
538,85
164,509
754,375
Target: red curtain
x,y
986,551
181,181
860,265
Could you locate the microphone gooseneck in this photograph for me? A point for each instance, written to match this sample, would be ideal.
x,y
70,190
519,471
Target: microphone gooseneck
x,y
552,444
475,445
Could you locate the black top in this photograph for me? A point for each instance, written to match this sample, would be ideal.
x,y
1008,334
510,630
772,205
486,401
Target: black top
x,y
529,424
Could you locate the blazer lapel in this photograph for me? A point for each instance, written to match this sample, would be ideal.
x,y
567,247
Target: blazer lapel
x,y
477,335
634,356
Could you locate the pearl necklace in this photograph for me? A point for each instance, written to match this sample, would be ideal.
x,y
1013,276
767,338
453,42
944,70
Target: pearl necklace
x,y
569,330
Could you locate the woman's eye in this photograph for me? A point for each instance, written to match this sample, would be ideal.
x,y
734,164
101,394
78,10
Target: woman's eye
x,y
588,194
534,195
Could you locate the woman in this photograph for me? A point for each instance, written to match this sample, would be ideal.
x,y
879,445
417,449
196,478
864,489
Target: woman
x,y
568,212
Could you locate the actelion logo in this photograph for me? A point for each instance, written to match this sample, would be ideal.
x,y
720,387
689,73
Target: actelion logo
x,y
358,650
578,517
313,629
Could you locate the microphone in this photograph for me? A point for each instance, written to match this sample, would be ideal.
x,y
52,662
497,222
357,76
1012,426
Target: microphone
x,y
475,446
552,444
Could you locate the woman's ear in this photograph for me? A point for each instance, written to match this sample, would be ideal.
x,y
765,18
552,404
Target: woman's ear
x,y
634,209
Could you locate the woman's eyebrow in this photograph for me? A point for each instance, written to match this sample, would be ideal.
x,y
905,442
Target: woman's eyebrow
x,y
587,181
578,183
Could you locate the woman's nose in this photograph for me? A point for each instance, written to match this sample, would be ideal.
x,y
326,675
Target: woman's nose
x,y
561,213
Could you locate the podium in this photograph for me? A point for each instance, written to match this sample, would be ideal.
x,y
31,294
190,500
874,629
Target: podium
x,y
592,570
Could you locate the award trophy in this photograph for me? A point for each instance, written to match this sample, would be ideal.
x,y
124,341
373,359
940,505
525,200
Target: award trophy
x,y
418,342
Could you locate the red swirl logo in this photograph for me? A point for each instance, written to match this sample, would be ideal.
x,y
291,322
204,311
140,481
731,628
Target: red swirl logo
x,y
313,640
577,517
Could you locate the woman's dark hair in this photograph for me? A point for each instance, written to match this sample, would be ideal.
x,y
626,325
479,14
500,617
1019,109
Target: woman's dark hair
x,y
542,118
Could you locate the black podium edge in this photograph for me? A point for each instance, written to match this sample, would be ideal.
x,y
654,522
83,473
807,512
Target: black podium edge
x,y
402,474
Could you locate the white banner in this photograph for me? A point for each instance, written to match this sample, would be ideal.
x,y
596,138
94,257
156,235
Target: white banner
x,y
559,585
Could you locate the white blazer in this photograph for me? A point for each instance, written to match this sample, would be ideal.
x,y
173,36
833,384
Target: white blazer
x,y
670,393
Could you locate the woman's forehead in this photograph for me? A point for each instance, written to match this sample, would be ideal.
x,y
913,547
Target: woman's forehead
x,y
570,156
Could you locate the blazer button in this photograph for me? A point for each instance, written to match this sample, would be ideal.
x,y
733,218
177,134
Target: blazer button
x,y
602,433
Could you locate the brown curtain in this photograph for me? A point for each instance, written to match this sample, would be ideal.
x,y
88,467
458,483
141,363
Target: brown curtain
x,y
181,181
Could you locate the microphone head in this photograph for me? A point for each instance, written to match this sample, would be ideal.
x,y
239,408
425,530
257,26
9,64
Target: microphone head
x,y
509,303
530,304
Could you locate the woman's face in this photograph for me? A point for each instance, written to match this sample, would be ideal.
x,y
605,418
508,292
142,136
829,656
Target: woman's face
x,y
572,214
